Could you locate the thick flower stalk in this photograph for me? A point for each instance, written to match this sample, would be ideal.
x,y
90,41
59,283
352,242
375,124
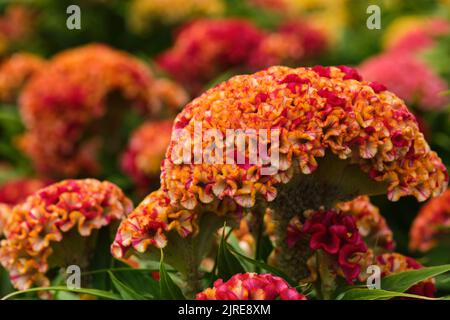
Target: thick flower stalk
x,y
205,48
144,14
82,94
391,263
408,77
251,286
338,137
57,227
431,227
15,72
145,152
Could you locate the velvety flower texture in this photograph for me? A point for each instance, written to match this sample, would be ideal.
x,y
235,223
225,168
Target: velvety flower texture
x,y
432,225
318,110
14,73
5,214
337,235
145,151
62,217
391,263
251,286
371,224
79,88
408,77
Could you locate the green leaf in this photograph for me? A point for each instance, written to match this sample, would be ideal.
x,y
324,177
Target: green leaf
x,y
264,266
402,281
377,294
168,289
95,292
125,291
227,264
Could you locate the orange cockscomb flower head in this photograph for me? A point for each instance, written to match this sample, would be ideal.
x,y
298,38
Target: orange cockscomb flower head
x,y
56,227
391,263
330,136
82,93
251,286
15,72
431,227
146,149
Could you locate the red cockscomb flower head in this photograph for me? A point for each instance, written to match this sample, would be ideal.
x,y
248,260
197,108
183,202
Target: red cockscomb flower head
x,y
53,228
391,263
145,151
81,92
432,225
293,43
336,234
371,224
15,72
205,48
15,191
251,286
408,77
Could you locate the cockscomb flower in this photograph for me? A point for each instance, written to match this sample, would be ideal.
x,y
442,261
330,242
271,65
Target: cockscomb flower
x,y
14,73
16,25
146,149
145,13
338,137
251,286
414,33
57,226
371,224
293,43
5,214
82,94
15,191
432,225
391,263
205,48
408,77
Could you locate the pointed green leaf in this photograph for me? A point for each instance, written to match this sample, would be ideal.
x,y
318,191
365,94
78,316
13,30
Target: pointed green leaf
x,y
402,281
168,289
95,292
125,291
376,294
227,264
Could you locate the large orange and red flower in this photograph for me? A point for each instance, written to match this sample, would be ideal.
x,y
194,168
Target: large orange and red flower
x,y
56,227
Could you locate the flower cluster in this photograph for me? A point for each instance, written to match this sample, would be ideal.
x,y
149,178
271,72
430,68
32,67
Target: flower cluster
x,y
371,224
206,48
432,224
146,149
251,286
337,235
391,263
317,110
144,13
78,89
52,228
408,77
14,73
